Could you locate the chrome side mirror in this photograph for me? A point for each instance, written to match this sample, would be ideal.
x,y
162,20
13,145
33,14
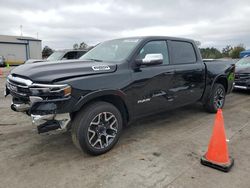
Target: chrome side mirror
x,y
151,59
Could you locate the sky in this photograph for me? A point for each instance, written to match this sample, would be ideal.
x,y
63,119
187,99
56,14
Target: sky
x,y
62,23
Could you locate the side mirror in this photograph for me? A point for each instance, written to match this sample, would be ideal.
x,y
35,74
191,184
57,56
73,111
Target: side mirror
x,y
150,59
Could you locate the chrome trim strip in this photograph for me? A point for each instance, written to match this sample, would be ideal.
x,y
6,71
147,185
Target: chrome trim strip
x,y
11,83
240,87
27,82
20,107
48,85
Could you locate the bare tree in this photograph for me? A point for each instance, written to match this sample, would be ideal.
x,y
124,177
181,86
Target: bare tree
x,y
75,46
83,45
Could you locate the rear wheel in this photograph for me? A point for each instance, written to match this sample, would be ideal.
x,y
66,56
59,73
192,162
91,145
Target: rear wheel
x,y
217,98
96,128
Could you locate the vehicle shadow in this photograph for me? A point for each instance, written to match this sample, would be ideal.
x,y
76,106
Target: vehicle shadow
x,y
168,116
241,92
60,146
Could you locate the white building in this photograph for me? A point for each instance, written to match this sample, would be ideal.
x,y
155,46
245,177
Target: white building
x,y
17,49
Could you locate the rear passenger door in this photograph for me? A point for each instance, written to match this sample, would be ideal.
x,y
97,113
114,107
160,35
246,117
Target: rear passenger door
x,y
189,76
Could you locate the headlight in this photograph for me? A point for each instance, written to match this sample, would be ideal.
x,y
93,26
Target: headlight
x,y
50,90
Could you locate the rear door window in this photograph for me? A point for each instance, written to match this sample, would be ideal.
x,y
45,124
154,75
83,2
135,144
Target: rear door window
x,y
70,55
182,52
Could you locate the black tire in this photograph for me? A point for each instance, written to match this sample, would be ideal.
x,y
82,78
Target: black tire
x,y
216,99
84,124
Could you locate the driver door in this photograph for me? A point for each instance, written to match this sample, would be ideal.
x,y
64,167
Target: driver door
x,y
152,84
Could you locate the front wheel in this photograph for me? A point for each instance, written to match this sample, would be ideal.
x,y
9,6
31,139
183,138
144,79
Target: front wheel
x,y
96,128
217,98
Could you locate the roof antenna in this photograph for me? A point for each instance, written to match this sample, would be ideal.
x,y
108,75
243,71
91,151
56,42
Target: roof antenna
x,y
21,30
37,35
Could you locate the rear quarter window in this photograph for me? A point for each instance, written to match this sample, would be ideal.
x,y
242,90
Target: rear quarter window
x,y
70,55
79,54
182,52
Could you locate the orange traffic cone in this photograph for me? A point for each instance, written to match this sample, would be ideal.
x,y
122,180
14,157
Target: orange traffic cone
x,y
217,154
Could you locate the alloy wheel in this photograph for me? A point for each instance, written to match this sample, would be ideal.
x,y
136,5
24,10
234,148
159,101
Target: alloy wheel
x,y
102,130
219,98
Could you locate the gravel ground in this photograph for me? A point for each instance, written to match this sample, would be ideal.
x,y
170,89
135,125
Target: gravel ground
x,y
160,151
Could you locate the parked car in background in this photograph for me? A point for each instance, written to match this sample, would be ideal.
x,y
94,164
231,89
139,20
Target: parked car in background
x,y
34,61
245,53
2,61
60,55
242,74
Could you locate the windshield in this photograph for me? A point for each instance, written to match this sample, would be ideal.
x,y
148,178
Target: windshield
x,y
55,56
113,50
244,62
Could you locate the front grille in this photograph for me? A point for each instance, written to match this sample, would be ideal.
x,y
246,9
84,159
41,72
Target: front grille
x,y
242,76
17,87
240,83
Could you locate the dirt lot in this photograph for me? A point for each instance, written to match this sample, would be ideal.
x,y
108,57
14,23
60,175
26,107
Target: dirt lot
x,y
160,151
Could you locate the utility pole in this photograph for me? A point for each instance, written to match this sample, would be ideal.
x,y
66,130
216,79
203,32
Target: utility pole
x,y
21,30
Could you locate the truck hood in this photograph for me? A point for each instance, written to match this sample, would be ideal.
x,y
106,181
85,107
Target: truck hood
x,y
48,72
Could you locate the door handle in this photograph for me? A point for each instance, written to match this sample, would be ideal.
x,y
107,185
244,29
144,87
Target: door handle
x,y
169,72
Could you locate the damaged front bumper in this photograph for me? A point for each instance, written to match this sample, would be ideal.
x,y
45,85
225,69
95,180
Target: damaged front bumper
x,y
20,107
50,122
46,115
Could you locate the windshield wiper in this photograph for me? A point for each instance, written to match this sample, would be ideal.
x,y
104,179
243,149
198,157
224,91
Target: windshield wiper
x,y
97,60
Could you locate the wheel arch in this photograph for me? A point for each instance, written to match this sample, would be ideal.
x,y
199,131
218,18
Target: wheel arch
x,y
223,81
115,97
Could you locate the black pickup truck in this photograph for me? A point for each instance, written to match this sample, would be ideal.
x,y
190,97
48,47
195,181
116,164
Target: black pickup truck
x,y
115,83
